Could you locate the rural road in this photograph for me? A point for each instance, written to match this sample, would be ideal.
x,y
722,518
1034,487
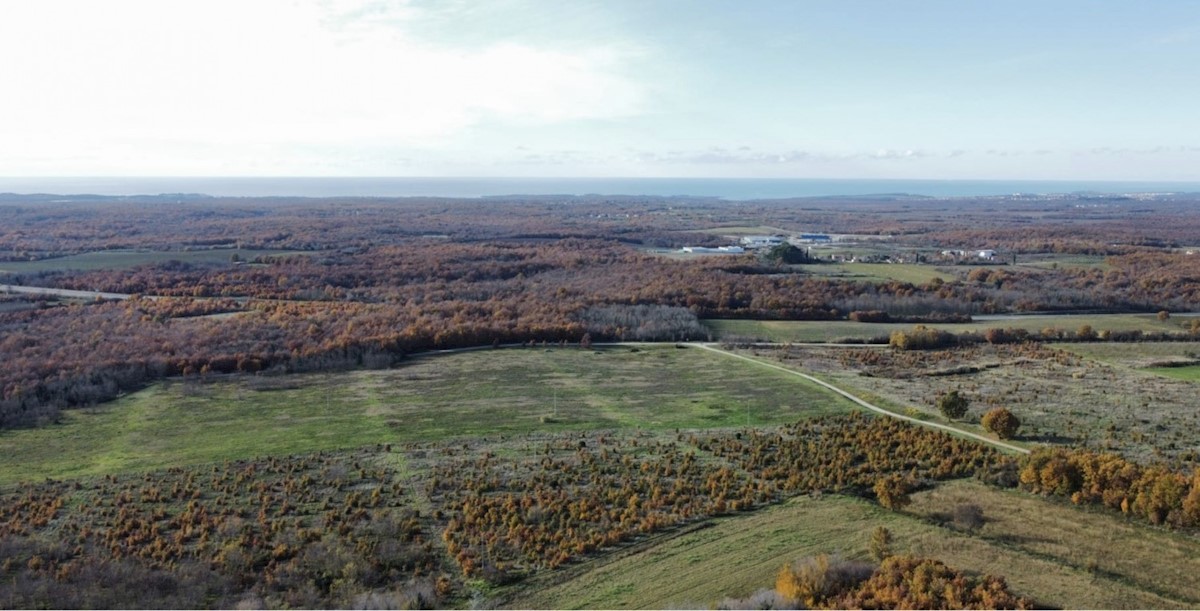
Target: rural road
x,y
38,290
874,408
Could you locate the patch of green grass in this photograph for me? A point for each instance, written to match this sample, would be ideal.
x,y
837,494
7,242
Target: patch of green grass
x,y
481,393
125,259
738,555
1055,261
823,331
1190,373
182,423
1134,354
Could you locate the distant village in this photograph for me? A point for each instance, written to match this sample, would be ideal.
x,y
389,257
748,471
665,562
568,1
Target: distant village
x,y
757,242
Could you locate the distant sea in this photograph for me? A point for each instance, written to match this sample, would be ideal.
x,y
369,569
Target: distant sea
x,y
725,188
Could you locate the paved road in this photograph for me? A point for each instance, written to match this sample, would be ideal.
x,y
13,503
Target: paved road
x,y
874,408
40,290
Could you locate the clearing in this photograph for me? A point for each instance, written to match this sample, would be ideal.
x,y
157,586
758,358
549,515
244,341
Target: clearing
x,y
126,259
833,330
465,394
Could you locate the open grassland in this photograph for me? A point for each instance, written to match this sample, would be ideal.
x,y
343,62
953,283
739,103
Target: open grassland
x,y
735,556
1059,397
125,259
1136,354
825,331
1060,260
1176,360
1120,555
466,394
1190,373
878,272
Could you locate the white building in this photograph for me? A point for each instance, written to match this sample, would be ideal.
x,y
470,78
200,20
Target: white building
x,y
720,250
762,241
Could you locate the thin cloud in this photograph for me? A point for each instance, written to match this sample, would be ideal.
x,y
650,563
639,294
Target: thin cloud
x,y
336,74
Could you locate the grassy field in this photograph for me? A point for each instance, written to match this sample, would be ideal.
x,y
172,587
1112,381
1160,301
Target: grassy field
x,y
1137,355
467,394
125,259
823,331
878,272
1046,551
1191,373
1119,554
1175,360
1044,261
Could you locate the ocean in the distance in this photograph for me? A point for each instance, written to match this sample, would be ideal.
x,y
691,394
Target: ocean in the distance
x,y
725,188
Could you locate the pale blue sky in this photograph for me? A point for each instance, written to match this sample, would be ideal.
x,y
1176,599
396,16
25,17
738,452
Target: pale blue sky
x,y
983,90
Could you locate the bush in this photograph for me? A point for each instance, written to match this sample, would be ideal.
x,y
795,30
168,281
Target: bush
x,y
953,405
870,316
881,543
1001,422
968,516
922,338
812,580
892,492
762,599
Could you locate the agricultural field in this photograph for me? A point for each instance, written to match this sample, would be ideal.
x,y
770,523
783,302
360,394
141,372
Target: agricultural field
x,y
127,259
477,393
1056,261
835,330
1060,397
1137,355
1190,373
878,272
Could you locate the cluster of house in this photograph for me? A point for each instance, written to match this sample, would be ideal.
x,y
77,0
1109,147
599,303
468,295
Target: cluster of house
x,y
986,255
720,250
752,242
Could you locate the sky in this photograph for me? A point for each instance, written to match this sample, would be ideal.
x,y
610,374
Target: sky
x,y
1021,90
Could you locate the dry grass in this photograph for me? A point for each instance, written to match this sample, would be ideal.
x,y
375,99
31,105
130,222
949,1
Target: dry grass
x,y
736,556
1059,398
1101,543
